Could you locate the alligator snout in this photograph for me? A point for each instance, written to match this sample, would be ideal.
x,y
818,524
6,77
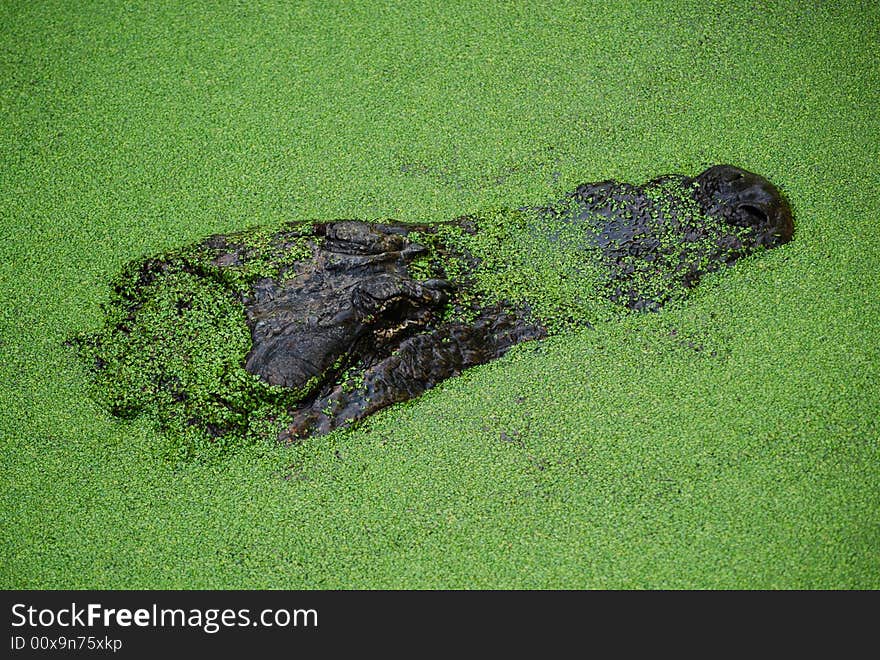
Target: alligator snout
x,y
746,199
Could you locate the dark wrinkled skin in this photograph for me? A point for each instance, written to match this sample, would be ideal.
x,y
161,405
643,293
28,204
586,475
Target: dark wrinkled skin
x,y
350,331
355,308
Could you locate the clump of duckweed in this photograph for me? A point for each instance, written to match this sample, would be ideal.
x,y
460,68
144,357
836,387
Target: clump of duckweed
x,y
174,341
553,276
240,259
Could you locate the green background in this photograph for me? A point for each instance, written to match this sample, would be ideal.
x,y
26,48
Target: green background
x,y
728,441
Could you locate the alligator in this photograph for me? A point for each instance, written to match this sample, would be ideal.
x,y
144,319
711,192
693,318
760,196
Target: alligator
x,y
316,325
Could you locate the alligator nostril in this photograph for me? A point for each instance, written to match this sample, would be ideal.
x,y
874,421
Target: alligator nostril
x,y
751,216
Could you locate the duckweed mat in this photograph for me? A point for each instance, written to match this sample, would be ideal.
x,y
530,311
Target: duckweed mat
x,y
728,441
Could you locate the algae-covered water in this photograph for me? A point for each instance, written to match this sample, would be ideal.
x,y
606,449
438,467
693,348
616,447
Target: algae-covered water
x,y
730,440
